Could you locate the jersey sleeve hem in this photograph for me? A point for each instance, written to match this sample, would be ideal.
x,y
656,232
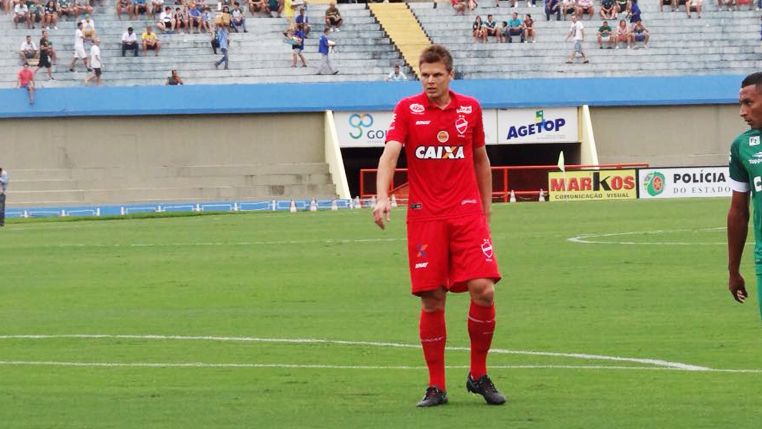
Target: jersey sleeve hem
x,y
739,186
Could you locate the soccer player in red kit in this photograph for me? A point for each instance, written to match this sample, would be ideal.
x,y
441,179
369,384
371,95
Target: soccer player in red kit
x,y
449,244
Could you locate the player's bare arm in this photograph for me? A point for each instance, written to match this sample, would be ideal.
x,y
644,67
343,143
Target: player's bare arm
x,y
484,179
386,165
738,225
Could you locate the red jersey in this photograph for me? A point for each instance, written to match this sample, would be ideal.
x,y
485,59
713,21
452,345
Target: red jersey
x,y
26,75
439,145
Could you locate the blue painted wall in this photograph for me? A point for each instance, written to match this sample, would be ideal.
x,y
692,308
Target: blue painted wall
x,y
369,96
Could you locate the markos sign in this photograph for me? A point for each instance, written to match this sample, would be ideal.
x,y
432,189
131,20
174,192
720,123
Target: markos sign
x,y
592,185
554,125
689,182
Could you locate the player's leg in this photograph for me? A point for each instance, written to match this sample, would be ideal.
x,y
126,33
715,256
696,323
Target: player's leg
x,y
433,335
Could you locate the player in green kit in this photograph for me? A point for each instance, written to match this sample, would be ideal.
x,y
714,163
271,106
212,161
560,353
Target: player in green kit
x,y
745,178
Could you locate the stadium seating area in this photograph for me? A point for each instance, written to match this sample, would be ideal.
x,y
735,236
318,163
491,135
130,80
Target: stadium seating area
x,y
363,51
721,42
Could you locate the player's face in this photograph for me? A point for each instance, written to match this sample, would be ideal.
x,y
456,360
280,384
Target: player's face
x,y
435,79
751,106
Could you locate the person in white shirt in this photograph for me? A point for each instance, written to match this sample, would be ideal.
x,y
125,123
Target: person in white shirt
x,y
88,28
396,75
577,31
3,188
95,62
129,41
166,20
28,49
21,14
79,48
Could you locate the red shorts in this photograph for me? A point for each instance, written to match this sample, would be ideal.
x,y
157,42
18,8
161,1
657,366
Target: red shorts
x,y
450,252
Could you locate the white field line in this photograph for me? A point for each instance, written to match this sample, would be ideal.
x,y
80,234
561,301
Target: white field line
x,y
207,244
585,356
595,238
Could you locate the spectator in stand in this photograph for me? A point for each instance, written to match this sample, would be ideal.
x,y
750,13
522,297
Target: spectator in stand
x,y
693,5
138,7
478,30
36,13
67,8
5,5
577,31
88,28
45,55
223,41
727,4
28,50
257,6
303,22
333,19
122,6
195,18
95,63
585,7
515,27
166,20
129,42
622,6
223,18
25,79
396,75
181,20
206,19
552,7
157,8
79,48
21,14
174,79
640,34
48,45
608,9
459,6
274,8
298,46
83,6
634,14
529,34
324,47
605,36
671,3
51,15
150,42
623,34
568,7
238,20
490,27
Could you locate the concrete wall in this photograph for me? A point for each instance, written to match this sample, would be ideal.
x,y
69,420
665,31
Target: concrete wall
x,y
666,135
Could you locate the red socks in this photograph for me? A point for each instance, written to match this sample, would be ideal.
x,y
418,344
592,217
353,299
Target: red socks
x,y
433,335
481,326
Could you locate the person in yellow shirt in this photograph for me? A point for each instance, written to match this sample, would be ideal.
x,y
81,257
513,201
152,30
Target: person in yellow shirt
x,y
150,41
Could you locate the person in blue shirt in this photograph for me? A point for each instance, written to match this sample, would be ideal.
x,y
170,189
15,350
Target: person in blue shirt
x,y
515,28
635,12
303,22
324,47
297,47
222,39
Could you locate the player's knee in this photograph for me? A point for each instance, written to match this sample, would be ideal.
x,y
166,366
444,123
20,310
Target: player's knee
x,y
433,301
482,291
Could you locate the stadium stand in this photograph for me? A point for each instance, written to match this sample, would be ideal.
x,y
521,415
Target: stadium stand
x,y
404,30
259,56
721,42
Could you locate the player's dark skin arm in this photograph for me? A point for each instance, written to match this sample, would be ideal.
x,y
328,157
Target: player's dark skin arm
x,y
738,226
484,179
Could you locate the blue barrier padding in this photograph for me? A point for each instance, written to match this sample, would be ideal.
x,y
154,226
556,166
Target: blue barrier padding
x,y
364,96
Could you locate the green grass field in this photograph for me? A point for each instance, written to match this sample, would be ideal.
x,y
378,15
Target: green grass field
x,y
651,285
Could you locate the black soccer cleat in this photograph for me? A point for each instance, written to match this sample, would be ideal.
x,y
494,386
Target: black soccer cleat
x,y
484,386
433,397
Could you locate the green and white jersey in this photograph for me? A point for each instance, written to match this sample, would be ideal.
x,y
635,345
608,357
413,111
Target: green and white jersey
x,y
746,175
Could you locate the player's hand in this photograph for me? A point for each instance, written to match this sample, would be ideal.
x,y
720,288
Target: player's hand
x,y
737,287
382,212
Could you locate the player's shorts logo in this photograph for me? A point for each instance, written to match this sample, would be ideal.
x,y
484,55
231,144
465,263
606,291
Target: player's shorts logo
x,y
461,124
753,140
358,122
443,136
420,250
417,108
487,249
440,152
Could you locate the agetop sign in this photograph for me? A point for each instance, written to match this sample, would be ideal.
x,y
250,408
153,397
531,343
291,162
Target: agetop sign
x,y
554,125
368,129
684,182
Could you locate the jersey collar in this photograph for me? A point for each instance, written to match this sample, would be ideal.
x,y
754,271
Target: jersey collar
x,y
454,100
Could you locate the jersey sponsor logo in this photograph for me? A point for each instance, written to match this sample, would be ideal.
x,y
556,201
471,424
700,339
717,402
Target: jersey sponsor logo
x,y
422,122
466,110
443,136
421,265
417,108
756,159
439,152
753,140
461,124
757,183
467,202
487,249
